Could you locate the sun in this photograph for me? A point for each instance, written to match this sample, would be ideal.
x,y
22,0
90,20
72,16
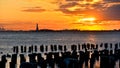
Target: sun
x,y
89,19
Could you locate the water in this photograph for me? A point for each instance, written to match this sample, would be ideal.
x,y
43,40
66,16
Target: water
x,y
9,39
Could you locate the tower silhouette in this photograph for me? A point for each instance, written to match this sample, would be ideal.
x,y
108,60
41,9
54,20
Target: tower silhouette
x,y
37,28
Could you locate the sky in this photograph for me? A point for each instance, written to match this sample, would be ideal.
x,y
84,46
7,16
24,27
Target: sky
x,y
60,14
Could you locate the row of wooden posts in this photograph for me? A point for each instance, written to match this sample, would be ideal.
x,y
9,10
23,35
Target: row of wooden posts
x,y
74,58
54,48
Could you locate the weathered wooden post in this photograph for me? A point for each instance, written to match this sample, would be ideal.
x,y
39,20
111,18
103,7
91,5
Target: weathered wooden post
x,y
13,61
3,61
22,58
60,47
25,49
81,59
42,48
21,49
35,48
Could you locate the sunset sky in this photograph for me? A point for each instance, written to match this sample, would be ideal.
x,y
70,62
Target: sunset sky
x,y
60,14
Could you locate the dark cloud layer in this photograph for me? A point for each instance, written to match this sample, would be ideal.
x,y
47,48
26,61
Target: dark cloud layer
x,y
33,9
112,0
83,8
98,10
112,13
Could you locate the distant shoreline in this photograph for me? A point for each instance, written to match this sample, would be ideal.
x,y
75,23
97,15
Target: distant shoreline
x,y
47,30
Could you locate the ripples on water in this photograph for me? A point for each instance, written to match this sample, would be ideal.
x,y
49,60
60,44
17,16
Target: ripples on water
x,y
9,39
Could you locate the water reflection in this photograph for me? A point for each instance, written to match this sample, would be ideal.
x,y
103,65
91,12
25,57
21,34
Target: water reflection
x,y
91,38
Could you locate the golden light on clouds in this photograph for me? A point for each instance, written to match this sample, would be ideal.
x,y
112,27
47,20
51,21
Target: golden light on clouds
x,y
73,8
97,0
88,14
88,27
87,23
93,27
90,1
87,19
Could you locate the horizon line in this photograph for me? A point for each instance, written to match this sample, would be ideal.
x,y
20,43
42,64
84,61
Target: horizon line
x,y
57,30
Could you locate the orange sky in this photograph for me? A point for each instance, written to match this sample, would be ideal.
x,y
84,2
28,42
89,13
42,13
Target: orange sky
x,y
60,14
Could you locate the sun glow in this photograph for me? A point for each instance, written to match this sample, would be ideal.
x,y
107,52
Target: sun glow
x,y
97,0
88,27
91,19
94,27
88,19
88,23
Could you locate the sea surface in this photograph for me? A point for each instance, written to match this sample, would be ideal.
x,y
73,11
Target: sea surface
x,y
10,39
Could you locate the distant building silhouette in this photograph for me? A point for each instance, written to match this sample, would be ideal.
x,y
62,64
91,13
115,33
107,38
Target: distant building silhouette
x,y
37,28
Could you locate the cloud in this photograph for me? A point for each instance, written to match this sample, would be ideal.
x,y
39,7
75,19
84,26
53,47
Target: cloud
x,y
75,8
33,9
74,0
112,0
112,13
99,10
69,5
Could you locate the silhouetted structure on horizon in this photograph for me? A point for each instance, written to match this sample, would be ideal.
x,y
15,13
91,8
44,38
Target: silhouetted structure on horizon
x,y
37,28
